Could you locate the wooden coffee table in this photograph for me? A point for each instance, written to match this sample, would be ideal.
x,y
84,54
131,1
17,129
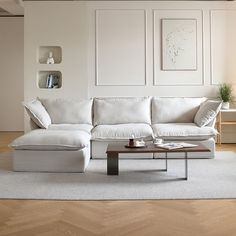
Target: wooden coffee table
x,y
113,151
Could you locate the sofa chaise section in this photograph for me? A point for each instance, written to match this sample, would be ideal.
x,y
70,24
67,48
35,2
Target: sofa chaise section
x,y
60,140
52,151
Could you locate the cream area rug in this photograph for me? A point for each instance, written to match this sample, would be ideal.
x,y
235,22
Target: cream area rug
x,y
138,179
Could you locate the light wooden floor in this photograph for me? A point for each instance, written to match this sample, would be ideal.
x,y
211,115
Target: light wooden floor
x,y
113,218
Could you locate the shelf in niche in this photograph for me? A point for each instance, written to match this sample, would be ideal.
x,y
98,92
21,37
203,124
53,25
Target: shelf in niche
x,y
43,79
43,54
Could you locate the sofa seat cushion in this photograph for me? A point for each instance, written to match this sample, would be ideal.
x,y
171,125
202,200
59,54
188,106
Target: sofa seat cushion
x,y
183,131
122,132
55,140
83,127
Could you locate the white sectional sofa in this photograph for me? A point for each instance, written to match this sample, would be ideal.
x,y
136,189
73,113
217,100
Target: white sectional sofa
x,y
70,132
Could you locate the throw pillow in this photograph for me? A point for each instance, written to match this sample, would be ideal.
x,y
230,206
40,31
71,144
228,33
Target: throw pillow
x,y
38,113
207,112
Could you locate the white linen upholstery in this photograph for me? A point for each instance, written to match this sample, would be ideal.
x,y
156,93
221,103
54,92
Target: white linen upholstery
x,y
42,139
51,161
110,111
183,131
207,112
37,113
122,132
63,111
84,127
175,110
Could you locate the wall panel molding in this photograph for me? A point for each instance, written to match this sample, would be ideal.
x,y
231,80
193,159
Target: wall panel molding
x,y
101,74
181,77
222,45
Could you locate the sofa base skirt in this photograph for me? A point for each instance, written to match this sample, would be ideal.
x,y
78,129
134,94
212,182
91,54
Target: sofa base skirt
x,y
51,161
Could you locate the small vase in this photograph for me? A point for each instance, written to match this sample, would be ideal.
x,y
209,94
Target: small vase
x,y
225,106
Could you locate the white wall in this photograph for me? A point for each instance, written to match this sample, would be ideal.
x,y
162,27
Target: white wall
x,y
11,73
114,48
200,82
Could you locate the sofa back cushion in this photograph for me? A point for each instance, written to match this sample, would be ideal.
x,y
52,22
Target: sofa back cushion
x,y
110,111
175,109
65,111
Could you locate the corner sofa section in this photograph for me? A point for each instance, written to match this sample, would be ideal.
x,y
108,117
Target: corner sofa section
x,y
103,121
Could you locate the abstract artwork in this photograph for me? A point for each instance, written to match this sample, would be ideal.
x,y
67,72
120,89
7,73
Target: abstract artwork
x,y
179,44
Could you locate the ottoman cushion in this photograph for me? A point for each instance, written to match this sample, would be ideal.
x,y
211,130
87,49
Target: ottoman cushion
x,y
42,139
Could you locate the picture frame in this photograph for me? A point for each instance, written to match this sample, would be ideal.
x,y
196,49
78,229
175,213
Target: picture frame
x,y
179,44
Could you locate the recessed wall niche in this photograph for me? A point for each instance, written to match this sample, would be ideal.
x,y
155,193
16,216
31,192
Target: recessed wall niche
x,y
49,80
44,51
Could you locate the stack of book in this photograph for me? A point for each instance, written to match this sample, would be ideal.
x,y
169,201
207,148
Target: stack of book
x,y
52,81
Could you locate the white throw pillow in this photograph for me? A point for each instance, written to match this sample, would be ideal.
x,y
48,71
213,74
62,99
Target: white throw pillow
x,y
37,113
69,111
207,112
121,110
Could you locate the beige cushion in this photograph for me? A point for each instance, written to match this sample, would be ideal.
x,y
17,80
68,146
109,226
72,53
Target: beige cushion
x,y
37,113
175,110
122,132
207,112
110,111
65,111
84,127
183,131
42,139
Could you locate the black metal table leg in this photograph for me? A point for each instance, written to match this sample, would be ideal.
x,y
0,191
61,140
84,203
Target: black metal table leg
x,y
166,161
186,166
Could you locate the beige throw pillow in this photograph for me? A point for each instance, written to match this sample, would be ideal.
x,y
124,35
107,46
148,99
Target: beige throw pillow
x,y
37,113
207,112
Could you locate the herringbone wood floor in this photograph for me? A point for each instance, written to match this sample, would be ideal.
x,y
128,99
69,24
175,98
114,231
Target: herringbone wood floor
x,y
113,218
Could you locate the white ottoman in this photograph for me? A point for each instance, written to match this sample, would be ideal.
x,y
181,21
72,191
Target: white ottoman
x,y
52,151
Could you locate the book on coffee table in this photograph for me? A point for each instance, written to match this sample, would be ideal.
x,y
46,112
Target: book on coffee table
x,y
171,146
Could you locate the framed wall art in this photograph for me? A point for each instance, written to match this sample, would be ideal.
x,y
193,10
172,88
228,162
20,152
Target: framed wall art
x,y
179,44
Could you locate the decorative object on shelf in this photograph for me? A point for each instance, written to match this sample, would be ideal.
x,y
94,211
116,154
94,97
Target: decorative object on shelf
x,y
179,44
49,79
50,59
49,54
226,95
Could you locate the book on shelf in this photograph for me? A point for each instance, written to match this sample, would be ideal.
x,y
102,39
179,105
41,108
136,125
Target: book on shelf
x,y
52,81
174,145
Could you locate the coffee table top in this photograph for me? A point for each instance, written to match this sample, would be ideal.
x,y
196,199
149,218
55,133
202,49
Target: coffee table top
x,y
120,148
